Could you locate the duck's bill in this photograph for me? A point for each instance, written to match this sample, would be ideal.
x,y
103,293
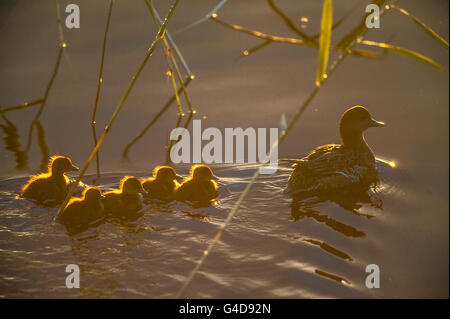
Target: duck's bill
x,y
75,168
375,123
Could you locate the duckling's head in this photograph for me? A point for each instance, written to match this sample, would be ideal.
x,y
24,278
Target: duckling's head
x,y
131,185
165,173
202,173
61,164
92,194
354,122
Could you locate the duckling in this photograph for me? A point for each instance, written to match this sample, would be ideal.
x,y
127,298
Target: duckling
x,y
51,186
333,166
199,187
163,184
82,211
126,200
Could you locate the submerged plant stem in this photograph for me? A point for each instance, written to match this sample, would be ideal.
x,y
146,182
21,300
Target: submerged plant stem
x,y
99,84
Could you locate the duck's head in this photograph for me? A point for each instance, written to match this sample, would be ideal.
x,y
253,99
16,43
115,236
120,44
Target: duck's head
x,y
202,173
165,173
61,164
92,194
131,185
354,122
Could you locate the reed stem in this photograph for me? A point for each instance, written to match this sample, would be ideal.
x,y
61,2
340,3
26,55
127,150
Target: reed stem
x,y
99,85
119,107
153,121
62,46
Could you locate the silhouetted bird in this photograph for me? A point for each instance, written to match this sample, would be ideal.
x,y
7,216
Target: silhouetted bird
x,y
50,187
199,187
332,166
163,184
82,211
126,200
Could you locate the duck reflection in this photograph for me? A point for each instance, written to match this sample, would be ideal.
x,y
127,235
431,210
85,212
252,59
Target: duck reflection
x,y
306,207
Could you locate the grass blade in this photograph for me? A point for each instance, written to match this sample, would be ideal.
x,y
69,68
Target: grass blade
x,y
427,29
325,39
405,52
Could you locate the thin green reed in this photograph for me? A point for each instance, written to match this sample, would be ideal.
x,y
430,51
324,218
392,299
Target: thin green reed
x,y
154,119
62,46
99,85
119,107
281,138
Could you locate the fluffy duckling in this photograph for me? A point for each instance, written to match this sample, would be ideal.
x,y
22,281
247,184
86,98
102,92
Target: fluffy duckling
x,y
82,211
163,184
199,187
126,200
332,166
50,186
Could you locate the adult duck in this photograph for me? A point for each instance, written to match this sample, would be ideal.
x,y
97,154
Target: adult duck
x,y
337,166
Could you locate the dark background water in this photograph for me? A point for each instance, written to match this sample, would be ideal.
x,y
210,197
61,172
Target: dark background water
x,y
408,238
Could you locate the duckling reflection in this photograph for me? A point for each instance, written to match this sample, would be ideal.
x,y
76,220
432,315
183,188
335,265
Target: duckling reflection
x,y
126,201
200,188
51,187
330,167
163,184
83,211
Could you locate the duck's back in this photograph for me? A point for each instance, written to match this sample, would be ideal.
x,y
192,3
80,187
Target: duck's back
x,y
197,191
162,190
329,167
74,213
80,212
121,204
44,189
